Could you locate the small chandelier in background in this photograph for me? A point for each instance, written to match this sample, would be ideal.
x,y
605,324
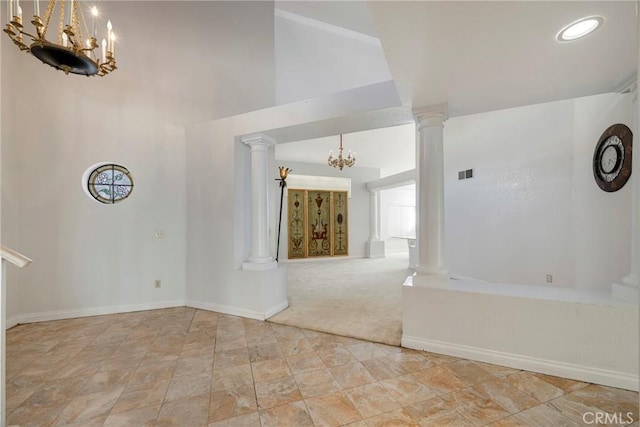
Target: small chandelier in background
x,y
72,51
340,161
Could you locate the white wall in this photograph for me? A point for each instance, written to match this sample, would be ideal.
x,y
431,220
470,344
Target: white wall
x,y
88,256
601,220
314,58
595,340
533,207
358,203
91,258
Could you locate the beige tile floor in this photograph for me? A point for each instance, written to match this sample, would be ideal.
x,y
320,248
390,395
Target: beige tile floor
x,y
186,367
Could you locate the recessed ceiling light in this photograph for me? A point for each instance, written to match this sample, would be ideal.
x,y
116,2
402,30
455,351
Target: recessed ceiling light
x,y
579,28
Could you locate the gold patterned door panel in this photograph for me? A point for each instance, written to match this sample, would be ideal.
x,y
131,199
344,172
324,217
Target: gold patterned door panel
x,y
317,223
318,227
340,236
296,232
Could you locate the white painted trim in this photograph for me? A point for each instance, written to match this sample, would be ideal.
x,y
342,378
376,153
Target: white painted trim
x,y
97,311
276,309
392,181
14,257
92,311
312,182
269,264
314,259
545,366
430,111
225,309
629,85
13,321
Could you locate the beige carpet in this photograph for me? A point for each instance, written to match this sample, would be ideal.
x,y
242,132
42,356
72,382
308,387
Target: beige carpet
x,y
360,298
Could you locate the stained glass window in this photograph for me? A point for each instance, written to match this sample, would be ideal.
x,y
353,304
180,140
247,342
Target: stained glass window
x,y
110,183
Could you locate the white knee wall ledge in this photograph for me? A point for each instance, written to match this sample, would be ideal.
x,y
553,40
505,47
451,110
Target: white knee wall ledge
x,y
592,342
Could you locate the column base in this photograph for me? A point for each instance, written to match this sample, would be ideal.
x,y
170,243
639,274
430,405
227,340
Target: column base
x,y
431,270
423,280
375,249
625,292
260,266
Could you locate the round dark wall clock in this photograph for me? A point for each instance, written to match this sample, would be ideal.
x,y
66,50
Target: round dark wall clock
x,y
612,158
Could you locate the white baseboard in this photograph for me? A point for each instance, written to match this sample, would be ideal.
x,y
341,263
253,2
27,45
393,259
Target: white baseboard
x,y
12,321
589,374
276,309
91,311
114,309
236,311
226,309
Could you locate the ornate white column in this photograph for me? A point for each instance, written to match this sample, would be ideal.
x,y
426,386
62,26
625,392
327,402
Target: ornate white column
x,y
374,216
260,258
431,269
628,290
375,246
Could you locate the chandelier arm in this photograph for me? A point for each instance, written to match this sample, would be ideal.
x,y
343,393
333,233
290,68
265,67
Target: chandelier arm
x,y
73,30
83,23
61,21
17,40
34,38
47,16
77,21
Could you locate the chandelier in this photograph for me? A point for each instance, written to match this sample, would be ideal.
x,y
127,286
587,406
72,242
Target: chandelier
x,y
73,50
340,161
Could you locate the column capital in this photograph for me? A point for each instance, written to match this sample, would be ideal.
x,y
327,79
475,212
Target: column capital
x,y
256,141
431,115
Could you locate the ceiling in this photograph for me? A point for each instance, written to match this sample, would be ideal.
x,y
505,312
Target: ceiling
x,y
193,61
480,56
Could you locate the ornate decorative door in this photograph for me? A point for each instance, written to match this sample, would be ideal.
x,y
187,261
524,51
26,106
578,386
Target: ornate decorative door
x,y
317,223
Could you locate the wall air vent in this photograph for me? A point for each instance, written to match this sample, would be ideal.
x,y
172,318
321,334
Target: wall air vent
x,y
465,174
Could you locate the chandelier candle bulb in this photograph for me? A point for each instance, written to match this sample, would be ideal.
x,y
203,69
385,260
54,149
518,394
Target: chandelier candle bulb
x,y
19,13
109,28
17,8
94,28
65,39
68,12
104,51
9,10
36,8
113,44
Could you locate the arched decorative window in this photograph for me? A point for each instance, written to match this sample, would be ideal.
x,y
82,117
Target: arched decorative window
x,y
108,183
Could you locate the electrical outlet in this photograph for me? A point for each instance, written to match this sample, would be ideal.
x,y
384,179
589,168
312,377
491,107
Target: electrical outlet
x,y
549,278
159,234
158,282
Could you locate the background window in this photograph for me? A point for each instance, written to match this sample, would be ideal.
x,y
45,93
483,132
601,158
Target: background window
x,y
109,183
